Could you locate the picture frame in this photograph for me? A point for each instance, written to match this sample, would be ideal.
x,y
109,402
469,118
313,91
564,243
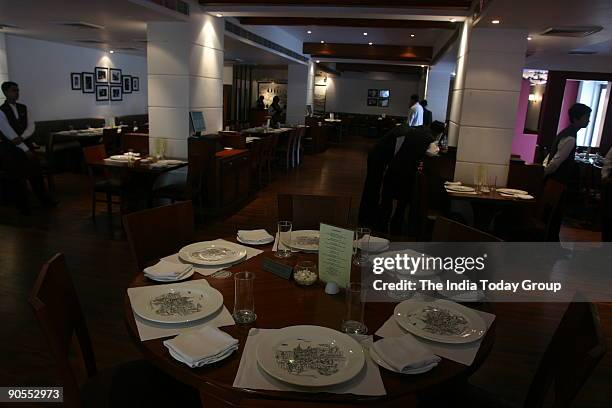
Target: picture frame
x,y
372,101
116,93
135,84
126,84
102,92
372,93
383,102
76,81
115,76
101,75
88,82
384,93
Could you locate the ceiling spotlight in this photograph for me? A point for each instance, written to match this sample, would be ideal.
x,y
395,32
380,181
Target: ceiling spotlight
x,y
529,38
496,21
322,42
365,33
219,15
452,20
112,51
412,35
422,66
309,32
318,61
370,43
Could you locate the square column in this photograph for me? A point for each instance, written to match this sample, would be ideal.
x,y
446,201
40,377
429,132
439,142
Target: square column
x,y
438,87
300,90
4,76
185,72
485,100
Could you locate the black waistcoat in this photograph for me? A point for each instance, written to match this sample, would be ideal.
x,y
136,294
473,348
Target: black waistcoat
x,y
20,124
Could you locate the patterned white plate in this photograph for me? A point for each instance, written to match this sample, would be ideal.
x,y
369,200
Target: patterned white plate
x,y
512,191
304,240
212,253
441,320
310,356
176,303
459,188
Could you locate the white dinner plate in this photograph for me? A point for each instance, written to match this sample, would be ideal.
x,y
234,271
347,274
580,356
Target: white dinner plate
x,y
212,253
176,304
266,242
459,188
378,360
119,157
310,356
441,320
512,191
187,275
304,240
525,196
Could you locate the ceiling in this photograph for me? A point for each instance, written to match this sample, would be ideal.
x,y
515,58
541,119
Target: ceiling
x,y
238,52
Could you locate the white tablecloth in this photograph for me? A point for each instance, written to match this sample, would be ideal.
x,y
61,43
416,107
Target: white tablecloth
x,y
367,382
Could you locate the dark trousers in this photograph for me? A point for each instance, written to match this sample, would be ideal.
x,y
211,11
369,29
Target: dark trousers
x,y
21,167
392,220
370,198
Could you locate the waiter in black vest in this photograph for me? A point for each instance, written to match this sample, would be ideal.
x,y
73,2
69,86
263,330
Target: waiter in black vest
x,y
17,156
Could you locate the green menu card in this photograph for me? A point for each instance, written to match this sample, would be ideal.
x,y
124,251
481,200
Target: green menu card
x,y
335,254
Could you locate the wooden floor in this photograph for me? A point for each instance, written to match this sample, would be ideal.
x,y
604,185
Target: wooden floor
x,y
101,266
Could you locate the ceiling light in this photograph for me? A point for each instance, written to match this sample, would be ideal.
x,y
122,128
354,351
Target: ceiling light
x,y
365,33
422,66
322,42
219,15
452,20
370,43
496,21
529,38
412,35
309,32
318,61
112,51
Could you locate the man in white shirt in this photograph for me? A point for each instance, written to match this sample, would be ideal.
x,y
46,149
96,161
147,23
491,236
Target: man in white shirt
x,y
415,116
17,157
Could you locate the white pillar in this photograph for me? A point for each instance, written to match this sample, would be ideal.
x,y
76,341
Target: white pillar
x,y
185,64
438,87
485,100
300,89
4,76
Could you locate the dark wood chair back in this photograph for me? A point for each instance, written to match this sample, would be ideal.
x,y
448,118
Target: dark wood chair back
x,y
138,142
200,153
59,314
570,358
94,154
159,232
308,211
446,230
528,177
550,210
111,141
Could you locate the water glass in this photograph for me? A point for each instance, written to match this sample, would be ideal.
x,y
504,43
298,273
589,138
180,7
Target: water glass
x,y
284,239
305,273
244,298
361,249
353,322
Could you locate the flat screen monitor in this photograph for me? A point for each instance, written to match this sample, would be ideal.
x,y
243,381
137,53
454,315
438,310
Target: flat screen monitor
x,y
197,121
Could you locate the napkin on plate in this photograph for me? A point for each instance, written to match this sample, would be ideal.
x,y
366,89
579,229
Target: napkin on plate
x,y
203,346
167,270
375,244
405,353
258,236
452,183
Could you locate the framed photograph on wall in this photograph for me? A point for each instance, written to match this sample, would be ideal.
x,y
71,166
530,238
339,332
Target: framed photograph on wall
x,y
135,84
116,93
383,102
384,93
372,101
115,76
372,93
127,83
101,75
76,81
102,93
88,82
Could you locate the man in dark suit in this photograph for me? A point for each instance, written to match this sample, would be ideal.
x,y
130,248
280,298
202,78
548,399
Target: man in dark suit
x,y
17,156
427,115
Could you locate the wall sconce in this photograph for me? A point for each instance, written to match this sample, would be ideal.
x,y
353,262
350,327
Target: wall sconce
x,y
532,98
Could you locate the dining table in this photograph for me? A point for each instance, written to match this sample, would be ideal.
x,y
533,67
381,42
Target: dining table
x,y
281,303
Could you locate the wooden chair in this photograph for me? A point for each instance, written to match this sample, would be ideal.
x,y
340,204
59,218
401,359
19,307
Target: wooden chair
x,y
111,141
529,177
58,310
101,182
159,232
137,142
299,146
269,154
308,211
286,149
446,230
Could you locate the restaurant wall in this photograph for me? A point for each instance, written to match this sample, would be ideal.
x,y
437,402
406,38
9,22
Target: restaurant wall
x,y
524,144
350,93
42,70
3,61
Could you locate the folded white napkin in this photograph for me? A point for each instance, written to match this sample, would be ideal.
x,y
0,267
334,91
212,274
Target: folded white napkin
x,y
169,270
259,235
405,353
452,183
203,346
376,244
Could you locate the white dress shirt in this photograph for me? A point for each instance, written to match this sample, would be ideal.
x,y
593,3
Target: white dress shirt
x,y
415,116
606,171
563,151
10,134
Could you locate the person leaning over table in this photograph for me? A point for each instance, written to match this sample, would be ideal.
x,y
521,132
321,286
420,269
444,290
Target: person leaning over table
x,y
606,182
275,111
17,153
410,147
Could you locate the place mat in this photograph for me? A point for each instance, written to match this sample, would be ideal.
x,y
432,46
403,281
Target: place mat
x,y
209,270
148,330
461,353
250,376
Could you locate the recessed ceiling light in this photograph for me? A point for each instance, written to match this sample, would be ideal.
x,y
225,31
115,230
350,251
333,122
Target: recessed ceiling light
x,y
365,33
322,42
412,35
370,43
452,20
219,15
422,66
529,38
496,21
318,61
309,32
112,51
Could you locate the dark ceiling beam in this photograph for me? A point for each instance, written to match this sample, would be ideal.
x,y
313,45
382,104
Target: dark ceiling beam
x,y
398,69
420,4
347,22
402,53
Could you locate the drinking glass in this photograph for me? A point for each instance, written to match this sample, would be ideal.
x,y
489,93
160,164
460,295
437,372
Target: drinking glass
x,y
361,249
493,183
353,322
284,238
305,273
244,298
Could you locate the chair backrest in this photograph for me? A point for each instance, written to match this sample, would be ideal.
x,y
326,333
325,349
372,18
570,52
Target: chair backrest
x,y
308,211
528,177
575,349
446,230
59,314
138,142
551,207
158,232
110,138
199,153
94,153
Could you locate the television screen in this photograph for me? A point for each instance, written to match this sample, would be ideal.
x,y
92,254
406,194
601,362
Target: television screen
x,y
197,121
384,93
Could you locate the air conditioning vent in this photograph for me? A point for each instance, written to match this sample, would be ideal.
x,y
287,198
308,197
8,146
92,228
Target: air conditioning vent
x,y
3,26
80,24
141,40
128,49
578,31
579,52
91,41
179,6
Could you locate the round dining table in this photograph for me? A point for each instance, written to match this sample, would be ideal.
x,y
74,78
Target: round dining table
x,y
281,303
